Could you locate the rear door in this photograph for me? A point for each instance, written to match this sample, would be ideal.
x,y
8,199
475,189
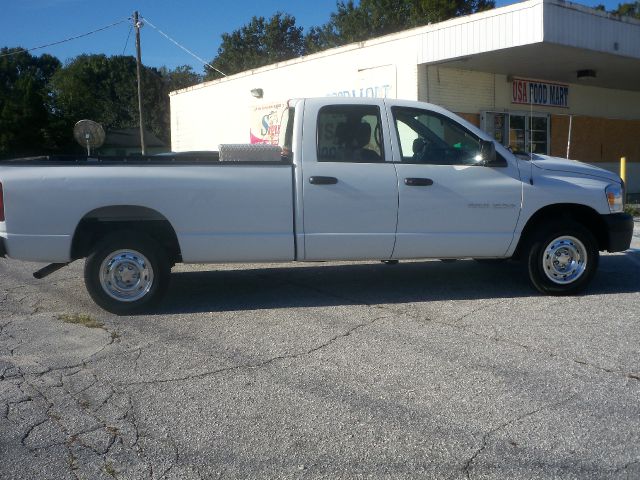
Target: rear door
x,y
349,183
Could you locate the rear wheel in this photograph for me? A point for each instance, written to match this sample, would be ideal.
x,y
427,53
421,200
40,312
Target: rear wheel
x,y
126,273
562,259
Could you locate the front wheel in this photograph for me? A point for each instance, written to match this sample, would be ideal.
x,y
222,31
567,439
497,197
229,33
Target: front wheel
x,y
127,273
562,259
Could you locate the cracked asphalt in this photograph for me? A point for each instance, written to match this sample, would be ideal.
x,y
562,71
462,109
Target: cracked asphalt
x,y
327,370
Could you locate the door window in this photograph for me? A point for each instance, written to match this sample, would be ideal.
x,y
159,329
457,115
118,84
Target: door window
x,y
428,137
350,133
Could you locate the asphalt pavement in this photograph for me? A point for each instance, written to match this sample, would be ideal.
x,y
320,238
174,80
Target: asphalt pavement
x,y
326,370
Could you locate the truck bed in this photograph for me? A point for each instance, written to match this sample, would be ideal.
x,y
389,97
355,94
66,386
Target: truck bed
x,y
181,158
217,214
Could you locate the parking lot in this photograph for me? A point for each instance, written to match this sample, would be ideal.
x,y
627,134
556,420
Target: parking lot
x,y
327,370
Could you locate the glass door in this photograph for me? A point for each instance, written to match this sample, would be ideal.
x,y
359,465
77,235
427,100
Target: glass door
x,y
518,133
523,132
539,134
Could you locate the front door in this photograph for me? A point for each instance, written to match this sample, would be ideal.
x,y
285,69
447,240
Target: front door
x,y
349,183
450,206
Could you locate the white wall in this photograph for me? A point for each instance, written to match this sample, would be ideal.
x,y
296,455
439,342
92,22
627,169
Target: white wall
x,y
220,111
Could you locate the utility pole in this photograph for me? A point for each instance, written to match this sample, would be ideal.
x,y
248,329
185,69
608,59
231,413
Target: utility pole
x,y
137,25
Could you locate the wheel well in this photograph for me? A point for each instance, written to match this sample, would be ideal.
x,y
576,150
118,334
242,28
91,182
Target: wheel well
x,y
582,214
100,222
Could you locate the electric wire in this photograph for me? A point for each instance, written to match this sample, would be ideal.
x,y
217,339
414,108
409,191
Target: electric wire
x,y
127,42
146,20
65,40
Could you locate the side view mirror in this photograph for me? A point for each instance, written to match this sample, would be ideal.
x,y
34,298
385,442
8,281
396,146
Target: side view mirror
x,y
487,152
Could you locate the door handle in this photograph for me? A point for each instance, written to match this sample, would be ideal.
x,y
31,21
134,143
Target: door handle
x,y
418,182
323,180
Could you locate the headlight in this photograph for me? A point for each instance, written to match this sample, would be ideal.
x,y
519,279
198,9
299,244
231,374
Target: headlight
x,y
615,195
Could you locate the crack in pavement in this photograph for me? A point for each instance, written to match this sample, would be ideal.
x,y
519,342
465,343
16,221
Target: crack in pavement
x,y
467,328
485,438
252,366
626,466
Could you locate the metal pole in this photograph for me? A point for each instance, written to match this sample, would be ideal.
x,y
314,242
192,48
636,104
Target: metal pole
x,y
137,25
569,136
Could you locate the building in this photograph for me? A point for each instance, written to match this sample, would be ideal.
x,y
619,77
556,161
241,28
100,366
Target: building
x,y
545,76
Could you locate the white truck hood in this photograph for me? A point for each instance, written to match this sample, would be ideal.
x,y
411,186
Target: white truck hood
x,y
573,166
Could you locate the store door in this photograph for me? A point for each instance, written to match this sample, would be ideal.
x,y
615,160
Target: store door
x,y
524,133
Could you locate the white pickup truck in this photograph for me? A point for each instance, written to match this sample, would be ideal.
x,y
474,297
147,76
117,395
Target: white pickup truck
x,y
367,179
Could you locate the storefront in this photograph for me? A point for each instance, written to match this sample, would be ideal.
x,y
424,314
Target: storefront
x,y
540,76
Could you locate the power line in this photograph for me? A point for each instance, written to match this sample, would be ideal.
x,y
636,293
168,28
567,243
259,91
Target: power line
x,y
66,39
127,42
182,47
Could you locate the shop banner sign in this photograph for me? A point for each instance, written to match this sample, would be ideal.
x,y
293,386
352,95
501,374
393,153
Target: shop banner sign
x,y
265,122
533,92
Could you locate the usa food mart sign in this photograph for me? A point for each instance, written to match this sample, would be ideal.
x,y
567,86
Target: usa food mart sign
x,y
534,92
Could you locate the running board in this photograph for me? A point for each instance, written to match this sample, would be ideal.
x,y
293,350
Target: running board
x,y
49,269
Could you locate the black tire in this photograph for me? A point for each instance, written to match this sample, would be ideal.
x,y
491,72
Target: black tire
x,y
549,251
145,264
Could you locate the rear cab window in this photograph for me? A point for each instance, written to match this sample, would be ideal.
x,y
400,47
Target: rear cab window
x,y
350,133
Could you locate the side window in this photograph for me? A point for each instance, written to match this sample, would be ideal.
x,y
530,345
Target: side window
x,y
350,133
428,137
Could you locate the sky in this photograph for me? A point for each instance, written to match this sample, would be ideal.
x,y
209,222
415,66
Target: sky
x,y
197,24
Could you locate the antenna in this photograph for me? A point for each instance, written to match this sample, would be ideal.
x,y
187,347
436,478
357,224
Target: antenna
x,y
89,134
530,142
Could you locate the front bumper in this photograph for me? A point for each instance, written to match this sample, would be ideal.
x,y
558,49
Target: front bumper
x,y
619,231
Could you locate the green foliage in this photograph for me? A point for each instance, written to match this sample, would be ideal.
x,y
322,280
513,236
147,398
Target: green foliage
x,y
624,9
632,210
628,9
25,110
260,42
180,77
372,18
41,100
104,89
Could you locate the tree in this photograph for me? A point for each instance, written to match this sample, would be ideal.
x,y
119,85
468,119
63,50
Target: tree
x,y
25,109
104,89
628,9
260,42
373,18
181,77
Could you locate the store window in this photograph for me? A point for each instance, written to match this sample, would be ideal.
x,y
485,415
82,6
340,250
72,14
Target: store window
x,y
522,132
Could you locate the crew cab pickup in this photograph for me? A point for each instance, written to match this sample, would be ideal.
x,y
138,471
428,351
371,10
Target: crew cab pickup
x,y
355,179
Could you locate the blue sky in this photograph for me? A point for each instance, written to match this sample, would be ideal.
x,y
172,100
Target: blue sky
x,y
196,24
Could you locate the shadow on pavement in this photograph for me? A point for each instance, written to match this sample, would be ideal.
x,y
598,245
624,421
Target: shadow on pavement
x,y
322,285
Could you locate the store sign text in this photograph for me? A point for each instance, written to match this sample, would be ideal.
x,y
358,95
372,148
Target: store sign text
x,y
532,92
373,91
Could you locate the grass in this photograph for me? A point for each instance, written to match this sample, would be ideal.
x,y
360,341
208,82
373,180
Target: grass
x,y
633,210
110,470
80,319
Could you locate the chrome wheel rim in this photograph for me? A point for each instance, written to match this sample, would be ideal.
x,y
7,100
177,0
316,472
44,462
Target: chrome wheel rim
x,y
126,275
564,260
